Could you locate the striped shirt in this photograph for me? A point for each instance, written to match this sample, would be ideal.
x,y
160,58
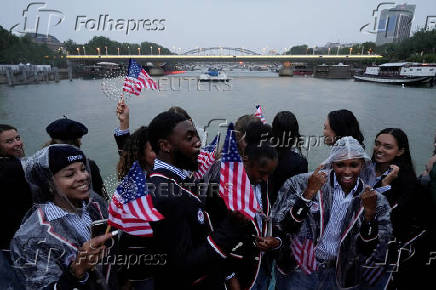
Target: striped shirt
x,y
119,132
258,193
159,164
81,223
327,249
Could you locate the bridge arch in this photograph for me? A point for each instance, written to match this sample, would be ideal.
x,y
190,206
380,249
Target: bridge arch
x,y
242,51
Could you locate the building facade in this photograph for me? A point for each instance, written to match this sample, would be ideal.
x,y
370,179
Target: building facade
x,y
394,24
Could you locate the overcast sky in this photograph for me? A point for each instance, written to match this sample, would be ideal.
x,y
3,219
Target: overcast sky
x,y
252,24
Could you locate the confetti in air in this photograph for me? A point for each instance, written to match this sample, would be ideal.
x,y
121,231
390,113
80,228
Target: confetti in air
x,y
112,85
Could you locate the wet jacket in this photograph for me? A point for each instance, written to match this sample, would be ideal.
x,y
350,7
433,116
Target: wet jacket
x,y
42,251
359,242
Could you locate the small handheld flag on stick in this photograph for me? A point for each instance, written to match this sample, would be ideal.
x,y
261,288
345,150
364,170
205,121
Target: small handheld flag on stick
x,y
235,187
206,158
137,79
259,114
131,208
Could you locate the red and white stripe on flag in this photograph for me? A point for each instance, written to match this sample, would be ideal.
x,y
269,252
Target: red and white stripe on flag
x,y
304,254
148,82
133,217
236,190
132,85
235,187
259,114
205,161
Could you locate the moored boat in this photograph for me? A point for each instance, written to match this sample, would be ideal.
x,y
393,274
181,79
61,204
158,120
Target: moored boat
x,y
338,71
400,73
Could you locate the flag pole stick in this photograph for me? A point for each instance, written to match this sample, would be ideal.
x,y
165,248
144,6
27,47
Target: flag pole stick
x,y
108,228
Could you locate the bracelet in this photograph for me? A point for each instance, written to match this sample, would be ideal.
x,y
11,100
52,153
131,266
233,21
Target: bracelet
x,y
305,199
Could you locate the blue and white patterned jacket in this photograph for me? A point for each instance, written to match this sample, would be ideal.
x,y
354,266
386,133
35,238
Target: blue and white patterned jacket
x,y
356,248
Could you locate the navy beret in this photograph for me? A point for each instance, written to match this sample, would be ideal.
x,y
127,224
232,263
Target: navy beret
x,y
66,129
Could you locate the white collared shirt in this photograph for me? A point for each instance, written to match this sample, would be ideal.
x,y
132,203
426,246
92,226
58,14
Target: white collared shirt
x,y
81,223
182,173
327,248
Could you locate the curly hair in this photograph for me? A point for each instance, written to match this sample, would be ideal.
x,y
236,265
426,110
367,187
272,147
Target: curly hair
x,y
134,149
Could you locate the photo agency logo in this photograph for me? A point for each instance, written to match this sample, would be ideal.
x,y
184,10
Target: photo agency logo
x,y
109,23
189,84
37,18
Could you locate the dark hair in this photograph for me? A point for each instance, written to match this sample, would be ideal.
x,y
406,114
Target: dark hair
x,y
285,130
242,123
343,123
74,142
257,131
256,151
6,127
134,149
181,111
162,126
404,161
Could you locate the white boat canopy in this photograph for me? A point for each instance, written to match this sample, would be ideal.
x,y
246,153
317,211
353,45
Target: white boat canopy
x,y
399,64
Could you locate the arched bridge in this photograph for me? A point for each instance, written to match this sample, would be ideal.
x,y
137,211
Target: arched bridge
x,y
221,51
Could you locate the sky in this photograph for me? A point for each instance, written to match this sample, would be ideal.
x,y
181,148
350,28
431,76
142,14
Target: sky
x,y
187,24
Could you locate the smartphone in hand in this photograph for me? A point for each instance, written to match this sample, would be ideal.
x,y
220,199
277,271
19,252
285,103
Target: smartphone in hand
x,y
98,228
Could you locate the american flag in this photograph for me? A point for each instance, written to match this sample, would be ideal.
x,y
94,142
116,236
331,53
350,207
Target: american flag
x,y
304,254
235,187
206,158
259,114
137,79
131,207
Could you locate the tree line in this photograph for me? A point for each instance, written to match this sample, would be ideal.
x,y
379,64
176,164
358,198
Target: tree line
x,y
420,47
16,50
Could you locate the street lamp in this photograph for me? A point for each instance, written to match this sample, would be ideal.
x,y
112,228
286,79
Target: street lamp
x,y
151,50
105,48
158,49
98,51
328,51
351,49
78,51
118,49
84,51
139,51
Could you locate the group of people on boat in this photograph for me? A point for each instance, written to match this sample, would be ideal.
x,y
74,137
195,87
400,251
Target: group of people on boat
x,y
359,220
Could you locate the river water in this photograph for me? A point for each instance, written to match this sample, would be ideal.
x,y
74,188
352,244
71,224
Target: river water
x,y
31,108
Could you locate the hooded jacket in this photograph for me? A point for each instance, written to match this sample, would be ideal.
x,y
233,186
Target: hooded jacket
x,y
357,250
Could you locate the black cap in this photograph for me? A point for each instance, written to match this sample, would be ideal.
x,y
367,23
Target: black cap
x,y
66,129
60,156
